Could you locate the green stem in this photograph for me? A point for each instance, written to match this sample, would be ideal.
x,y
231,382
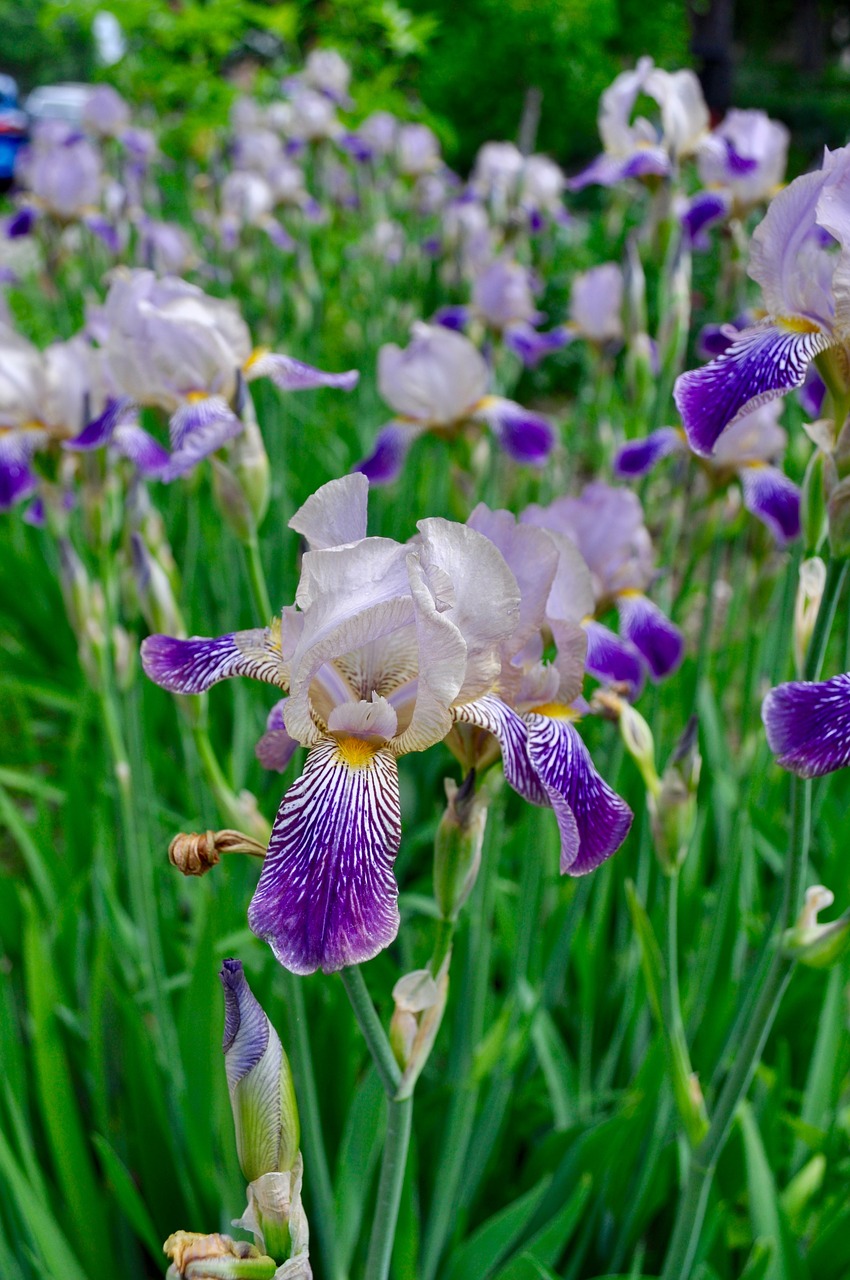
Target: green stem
x,y
442,945
393,1166
257,579
694,1200
373,1033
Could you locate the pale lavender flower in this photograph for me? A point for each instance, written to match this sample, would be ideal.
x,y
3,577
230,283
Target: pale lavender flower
x,y
61,173
247,200
314,117
438,383
744,157
166,247
799,257
497,172
174,347
327,71
387,642
417,150
635,147
606,524
105,114
747,450
596,304
503,300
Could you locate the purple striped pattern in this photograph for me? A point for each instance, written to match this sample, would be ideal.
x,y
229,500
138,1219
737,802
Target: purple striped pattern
x,y
808,725
194,665
509,730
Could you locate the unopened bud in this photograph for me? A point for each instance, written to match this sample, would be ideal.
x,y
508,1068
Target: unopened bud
x,y
259,1078
673,811
209,1257
457,847
76,587
640,744
231,501
196,853
420,1001
156,594
276,1217
124,651
250,464
838,515
809,594
817,945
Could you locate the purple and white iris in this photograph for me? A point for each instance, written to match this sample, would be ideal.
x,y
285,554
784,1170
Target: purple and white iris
x,y
388,647
635,147
503,300
744,159
438,383
747,451
606,525
801,258
170,345
808,725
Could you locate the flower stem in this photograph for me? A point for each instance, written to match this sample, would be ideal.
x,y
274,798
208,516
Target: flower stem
x,y
754,1033
257,579
373,1033
393,1166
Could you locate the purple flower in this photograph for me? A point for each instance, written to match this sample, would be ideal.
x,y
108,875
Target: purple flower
x,y
596,303
61,171
806,288
808,725
417,150
106,114
745,157
439,383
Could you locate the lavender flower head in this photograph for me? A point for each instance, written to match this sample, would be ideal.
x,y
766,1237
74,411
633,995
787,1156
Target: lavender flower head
x,y
327,71
596,303
417,150
389,647
800,257
606,525
635,147
808,725
438,383
61,172
745,156
105,114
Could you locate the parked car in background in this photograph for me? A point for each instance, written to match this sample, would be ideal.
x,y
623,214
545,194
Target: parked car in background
x,y
58,102
13,128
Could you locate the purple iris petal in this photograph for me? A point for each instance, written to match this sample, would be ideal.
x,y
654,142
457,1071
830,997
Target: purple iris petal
x,y
564,766
738,164
100,430
327,894
639,456
295,375
246,1027
706,208
509,730
276,748
714,339
764,362
21,223
146,454
812,393
17,478
808,725
608,170
531,346
613,660
105,231
454,317
651,632
194,665
525,436
279,236
198,429
35,514
774,499
386,460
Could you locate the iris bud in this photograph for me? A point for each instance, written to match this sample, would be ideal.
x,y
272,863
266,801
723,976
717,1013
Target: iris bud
x,y
806,607
817,945
640,744
673,810
204,1257
457,847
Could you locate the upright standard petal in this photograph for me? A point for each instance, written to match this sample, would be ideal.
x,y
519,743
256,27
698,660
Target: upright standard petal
x,y
335,514
762,363
600,819
774,499
327,894
651,632
808,725
194,665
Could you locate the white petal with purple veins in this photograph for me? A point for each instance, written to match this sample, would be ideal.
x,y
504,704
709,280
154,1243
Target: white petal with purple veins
x,y
194,665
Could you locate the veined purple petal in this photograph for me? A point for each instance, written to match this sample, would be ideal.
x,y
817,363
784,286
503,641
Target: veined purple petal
x,y
294,375
199,428
613,660
100,430
764,362
327,894
808,725
607,170
147,456
194,665
17,478
525,436
509,730
563,764
246,1027
774,499
637,457
651,632
531,346
812,393
105,231
454,317
386,460
276,748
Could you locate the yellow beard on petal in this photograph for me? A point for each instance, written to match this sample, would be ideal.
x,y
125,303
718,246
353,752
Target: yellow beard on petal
x,y
798,324
555,710
356,752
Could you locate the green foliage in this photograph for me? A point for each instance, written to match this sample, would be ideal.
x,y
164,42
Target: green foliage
x,y
45,42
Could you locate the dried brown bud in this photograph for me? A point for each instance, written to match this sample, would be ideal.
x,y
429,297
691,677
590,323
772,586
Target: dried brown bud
x,y
186,1247
196,853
